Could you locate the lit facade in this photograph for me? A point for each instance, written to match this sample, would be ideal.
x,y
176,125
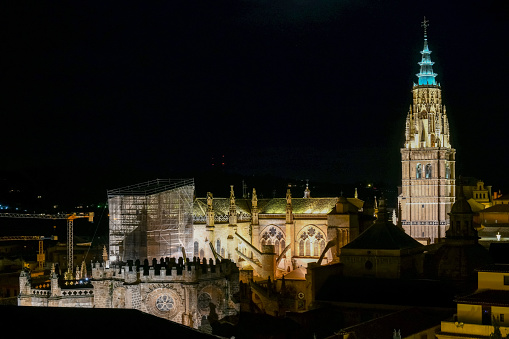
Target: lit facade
x,y
428,159
478,314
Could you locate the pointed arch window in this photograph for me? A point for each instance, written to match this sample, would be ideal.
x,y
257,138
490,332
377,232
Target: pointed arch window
x,y
283,245
315,249
276,247
322,246
196,249
447,171
428,171
308,248
301,248
418,171
218,246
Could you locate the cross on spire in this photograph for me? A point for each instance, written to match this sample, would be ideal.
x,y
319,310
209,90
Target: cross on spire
x,y
425,24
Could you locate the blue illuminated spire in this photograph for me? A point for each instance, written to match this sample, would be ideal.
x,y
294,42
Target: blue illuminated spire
x,y
426,75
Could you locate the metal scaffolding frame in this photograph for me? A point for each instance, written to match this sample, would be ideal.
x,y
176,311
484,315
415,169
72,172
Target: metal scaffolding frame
x,y
150,220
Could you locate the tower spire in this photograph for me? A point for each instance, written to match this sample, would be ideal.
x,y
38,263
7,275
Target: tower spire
x,y
426,75
425,25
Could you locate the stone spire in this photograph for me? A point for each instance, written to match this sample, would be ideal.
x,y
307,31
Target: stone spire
x,y
232,214
210,210
426,75
307,192
254,208
289,208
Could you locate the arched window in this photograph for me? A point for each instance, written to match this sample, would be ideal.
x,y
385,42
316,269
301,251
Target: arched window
x,y
322,246
218,246
447,171
301,248
276,247
315,249
428,171
196,249
308,248
418,171
263,242
283,245
269,241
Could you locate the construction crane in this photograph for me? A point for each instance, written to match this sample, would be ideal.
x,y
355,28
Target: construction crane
x,y
40,256
70,217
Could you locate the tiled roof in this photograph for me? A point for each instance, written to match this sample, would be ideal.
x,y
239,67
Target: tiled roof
x,y
486,297
299,205
408,322
383,235
221,206
501,268
497,208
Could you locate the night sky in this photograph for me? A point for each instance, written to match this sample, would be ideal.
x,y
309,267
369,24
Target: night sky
x,y
101,95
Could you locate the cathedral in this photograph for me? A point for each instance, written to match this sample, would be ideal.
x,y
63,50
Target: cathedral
x,y
196,250
428,159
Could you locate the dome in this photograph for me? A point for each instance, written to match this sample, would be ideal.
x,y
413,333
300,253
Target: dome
x,y
461,206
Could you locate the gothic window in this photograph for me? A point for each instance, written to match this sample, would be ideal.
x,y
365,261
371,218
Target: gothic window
x,y
283,245
301,248
204,300
272,236
312,240
218,246
196,248
447,171
418,173
428,171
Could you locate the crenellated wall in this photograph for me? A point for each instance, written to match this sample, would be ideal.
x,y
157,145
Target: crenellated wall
x,y
177,290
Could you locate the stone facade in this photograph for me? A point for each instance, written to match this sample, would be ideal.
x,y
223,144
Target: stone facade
x,y
183,292
297,229
428,160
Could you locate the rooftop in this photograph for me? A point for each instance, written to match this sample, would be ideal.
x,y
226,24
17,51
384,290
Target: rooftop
x,y
486,297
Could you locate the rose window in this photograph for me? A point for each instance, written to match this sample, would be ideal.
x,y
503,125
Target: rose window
x,y
165,303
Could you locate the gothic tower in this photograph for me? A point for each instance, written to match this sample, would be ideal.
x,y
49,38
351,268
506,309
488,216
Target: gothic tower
x,y
428,159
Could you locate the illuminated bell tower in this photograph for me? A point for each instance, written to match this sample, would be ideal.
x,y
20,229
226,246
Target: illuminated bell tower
x,y
428,160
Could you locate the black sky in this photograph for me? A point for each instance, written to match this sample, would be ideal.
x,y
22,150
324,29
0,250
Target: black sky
x,y
115,93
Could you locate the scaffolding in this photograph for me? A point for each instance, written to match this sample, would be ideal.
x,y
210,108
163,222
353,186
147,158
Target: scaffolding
x,y
151,220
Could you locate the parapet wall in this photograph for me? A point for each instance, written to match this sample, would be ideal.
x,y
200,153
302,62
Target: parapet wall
x,y
165,270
